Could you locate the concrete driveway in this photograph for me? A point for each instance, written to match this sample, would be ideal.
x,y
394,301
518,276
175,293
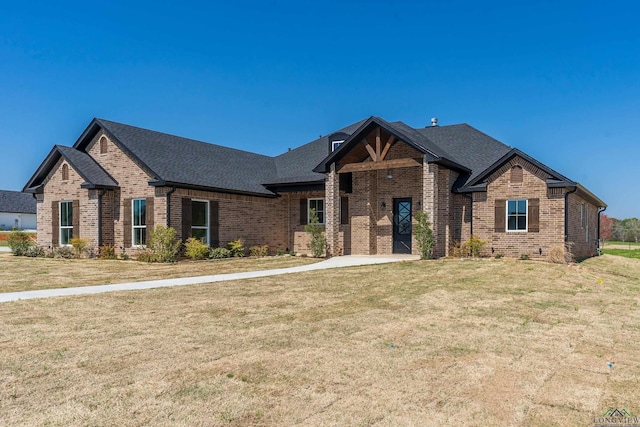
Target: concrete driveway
x,y
335,262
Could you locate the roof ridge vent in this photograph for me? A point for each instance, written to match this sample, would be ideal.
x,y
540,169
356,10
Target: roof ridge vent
x,y
434,122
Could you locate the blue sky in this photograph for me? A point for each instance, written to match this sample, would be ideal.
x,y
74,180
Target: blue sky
x,y
558,80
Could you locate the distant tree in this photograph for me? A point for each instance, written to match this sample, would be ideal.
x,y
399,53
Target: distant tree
x,y
606,227
627,230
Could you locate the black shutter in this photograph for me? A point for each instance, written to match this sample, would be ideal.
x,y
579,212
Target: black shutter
x,y
534,215
344,210
214,224
500,214
55,224
303,211
126,223
186,218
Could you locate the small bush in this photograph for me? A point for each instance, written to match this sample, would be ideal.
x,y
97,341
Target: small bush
x,y
474,246
318,243
79,246
292,252
65,252
36,252
145,255
259,251
219,253
20,242
280,252
107,252
163,246
470,248
524,257
498,256
561,254
196,249
236,247
424,235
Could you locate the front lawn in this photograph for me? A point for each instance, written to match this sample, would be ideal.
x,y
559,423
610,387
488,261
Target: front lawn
x,y
448,342
26,274
633,253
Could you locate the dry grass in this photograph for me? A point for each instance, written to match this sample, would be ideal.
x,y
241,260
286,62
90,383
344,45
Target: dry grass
x,y
25,274
483,342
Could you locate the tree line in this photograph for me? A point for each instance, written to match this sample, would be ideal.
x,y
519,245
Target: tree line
x,y
623,230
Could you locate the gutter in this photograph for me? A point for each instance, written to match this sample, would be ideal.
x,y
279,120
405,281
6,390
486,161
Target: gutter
x,y
566,212
600,210
169,205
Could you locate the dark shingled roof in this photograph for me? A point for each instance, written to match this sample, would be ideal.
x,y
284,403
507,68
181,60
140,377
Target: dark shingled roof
x,y
17,202
297,165
176,160
470,147
92,173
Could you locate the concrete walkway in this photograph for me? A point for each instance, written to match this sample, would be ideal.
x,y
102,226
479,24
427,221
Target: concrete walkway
x,y
335,262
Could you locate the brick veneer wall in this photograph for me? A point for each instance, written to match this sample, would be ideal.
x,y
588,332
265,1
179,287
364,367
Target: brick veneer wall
x,y
255,220
533,185
583,234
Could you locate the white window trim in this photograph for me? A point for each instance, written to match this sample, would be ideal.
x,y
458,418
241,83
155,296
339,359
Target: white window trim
x,y
526,216
324,210
64,227
207,216
336,144
135,227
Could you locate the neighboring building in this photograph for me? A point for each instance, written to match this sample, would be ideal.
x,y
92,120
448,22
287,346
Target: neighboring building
x,y
365,182
17,210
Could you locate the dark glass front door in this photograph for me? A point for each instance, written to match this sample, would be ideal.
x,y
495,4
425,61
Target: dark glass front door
x,y
402,226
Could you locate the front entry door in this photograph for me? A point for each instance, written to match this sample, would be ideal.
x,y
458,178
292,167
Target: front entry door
x,y
402,226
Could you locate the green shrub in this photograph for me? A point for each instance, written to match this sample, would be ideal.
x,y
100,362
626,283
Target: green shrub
x,y
20,242
79,246
524,257
292,252
424,235
219,253
196,249
280,252
163,246
259,250
236,247
318,243
107,252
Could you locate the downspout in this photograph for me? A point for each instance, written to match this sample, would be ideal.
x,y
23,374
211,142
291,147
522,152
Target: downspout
x,y
100,194
566,212
600,210
169,205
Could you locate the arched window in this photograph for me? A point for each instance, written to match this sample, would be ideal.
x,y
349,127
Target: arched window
x,y
103,145
516,174
65,172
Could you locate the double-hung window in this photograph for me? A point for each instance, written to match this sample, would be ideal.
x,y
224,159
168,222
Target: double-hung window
x,y
318,207
200,220
66,222
516,215
139,222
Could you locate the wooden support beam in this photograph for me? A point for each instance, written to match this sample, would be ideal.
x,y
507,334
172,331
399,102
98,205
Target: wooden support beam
x,y
385,164
387,146
370,150
378,148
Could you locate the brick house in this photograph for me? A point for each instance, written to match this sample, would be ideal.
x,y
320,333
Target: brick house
x,y
365,181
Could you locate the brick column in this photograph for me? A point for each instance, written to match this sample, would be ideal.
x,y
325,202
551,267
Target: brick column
x,y
332,211
430,198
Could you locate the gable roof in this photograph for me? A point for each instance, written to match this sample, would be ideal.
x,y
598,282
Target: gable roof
x,y
402,132
92,173
17,202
